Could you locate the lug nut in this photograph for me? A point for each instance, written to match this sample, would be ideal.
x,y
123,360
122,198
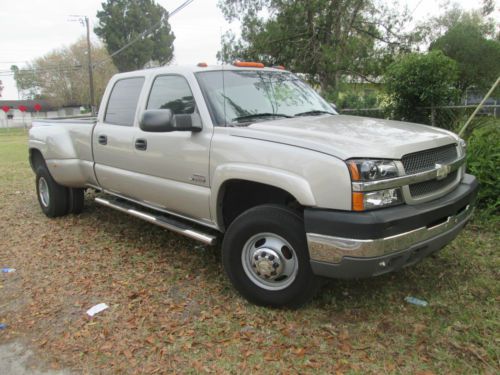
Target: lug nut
x,y
275,265
271,257
256,257
273,273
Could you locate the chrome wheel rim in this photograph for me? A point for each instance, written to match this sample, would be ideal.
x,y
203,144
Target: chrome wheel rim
x,y
269,261
43,192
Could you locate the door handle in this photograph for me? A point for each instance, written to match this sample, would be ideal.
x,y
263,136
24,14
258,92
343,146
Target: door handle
x,y
141,144
103,140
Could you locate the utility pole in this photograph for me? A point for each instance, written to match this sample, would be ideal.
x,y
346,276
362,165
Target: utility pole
x,y
81,19
91,75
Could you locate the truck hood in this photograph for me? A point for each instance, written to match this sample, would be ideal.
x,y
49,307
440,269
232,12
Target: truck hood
x,y
348,137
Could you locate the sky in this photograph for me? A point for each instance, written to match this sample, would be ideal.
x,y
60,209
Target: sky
x,y
32,28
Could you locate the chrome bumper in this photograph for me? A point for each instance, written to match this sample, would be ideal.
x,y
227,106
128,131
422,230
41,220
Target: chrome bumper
x,y
329,249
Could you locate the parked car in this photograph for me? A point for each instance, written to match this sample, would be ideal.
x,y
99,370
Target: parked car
x,y
255,157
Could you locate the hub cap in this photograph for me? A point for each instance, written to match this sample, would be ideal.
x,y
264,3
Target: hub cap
x,y
269,261
43,192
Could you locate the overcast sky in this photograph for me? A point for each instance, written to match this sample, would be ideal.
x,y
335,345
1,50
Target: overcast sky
x,y
31,28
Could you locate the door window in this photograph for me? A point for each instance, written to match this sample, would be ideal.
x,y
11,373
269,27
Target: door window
x,y
123,100
171,92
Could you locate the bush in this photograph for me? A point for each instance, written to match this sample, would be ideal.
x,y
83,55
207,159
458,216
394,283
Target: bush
x,y
420,80
483,161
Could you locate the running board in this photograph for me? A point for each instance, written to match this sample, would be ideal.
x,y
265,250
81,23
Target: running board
x,y
169,223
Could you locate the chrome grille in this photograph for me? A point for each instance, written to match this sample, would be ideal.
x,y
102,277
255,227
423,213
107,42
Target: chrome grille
x,y
425,160
428,187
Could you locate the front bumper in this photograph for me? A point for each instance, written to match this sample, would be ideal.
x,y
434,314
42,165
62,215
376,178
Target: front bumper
x,y
363,244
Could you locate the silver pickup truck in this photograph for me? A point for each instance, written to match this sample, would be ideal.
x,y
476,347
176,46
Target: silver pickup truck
x,y
255,157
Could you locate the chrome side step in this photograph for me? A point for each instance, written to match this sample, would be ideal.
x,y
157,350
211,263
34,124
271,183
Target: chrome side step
x,y
163,221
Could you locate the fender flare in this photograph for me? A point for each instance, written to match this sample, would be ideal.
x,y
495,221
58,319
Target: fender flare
x,y
295,185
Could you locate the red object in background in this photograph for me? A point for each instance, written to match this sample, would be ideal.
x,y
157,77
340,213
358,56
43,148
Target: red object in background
x,y
5,108
37,107
22,108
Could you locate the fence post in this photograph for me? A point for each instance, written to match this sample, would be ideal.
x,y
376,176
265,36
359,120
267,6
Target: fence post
x,y
433,115
479,107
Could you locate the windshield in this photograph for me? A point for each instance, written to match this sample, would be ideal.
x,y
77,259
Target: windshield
x,y
240,97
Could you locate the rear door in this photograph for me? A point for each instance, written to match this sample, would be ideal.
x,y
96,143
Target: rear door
x,y
113,137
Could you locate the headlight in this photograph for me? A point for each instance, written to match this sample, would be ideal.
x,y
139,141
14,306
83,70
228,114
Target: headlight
x,y
369,170
372,170
376,199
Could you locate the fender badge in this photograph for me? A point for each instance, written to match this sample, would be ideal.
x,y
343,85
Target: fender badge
x,y
198,178
442,171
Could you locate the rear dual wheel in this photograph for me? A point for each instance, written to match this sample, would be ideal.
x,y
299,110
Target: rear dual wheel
x,y
266,258
54,199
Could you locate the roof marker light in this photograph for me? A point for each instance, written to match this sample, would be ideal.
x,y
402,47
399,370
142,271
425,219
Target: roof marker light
x,y
202,64
248,64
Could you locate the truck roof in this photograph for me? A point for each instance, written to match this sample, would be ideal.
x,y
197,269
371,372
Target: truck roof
x,y
186,69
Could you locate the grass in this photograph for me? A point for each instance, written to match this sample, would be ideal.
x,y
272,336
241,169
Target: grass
x,y
172,309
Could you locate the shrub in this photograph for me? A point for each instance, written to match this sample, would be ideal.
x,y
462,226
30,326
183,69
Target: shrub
x,y
483,161
420,80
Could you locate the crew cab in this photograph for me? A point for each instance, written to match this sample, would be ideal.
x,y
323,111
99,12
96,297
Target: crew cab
x,y
254,157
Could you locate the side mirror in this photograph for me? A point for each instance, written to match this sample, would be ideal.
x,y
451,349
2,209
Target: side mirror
x,y
156,120
162,120
334,106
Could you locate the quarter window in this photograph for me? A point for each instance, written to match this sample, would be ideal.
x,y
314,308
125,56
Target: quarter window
x,y
171,92
123,100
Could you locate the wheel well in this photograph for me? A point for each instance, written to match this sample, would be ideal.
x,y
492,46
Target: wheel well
x,y
36,158
237,196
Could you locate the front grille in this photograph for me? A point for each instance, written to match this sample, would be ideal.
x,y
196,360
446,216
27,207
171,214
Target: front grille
x,y
428,187
425,160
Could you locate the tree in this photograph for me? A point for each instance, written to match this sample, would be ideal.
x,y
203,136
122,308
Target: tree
x,y
326,39
26,82
61,76
478,58
420,80
121,21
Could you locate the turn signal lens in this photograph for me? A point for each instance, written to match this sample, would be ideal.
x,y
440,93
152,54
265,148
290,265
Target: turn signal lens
x,y
358,202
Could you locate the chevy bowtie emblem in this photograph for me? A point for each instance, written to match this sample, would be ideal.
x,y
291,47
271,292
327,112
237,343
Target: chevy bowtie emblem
x,y
442,171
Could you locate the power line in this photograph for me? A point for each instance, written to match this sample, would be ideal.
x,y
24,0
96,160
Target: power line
x,y
416,7
145,32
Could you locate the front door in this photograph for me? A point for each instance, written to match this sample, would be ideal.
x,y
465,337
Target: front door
x,y
175,165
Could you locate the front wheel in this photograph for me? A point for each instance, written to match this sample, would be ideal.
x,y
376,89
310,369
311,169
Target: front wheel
x,y
266,258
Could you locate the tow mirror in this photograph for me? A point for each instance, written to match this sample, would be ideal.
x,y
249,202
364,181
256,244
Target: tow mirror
x,y
162,120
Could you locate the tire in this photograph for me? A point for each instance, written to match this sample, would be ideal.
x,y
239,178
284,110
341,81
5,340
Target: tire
x,y
265,256
76,200
53,198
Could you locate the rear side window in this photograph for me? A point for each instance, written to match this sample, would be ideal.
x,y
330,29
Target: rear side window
x,y
123,100
171,92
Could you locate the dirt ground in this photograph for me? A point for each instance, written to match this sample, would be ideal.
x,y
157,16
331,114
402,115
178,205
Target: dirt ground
x,y
172,310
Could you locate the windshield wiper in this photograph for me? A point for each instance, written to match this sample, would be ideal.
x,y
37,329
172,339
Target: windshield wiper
x,y
258,115
315,112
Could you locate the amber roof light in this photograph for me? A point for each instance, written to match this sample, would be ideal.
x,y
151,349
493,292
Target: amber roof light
x,y
248,64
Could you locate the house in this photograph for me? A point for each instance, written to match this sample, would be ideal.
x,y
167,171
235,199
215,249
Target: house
x,y
14,113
